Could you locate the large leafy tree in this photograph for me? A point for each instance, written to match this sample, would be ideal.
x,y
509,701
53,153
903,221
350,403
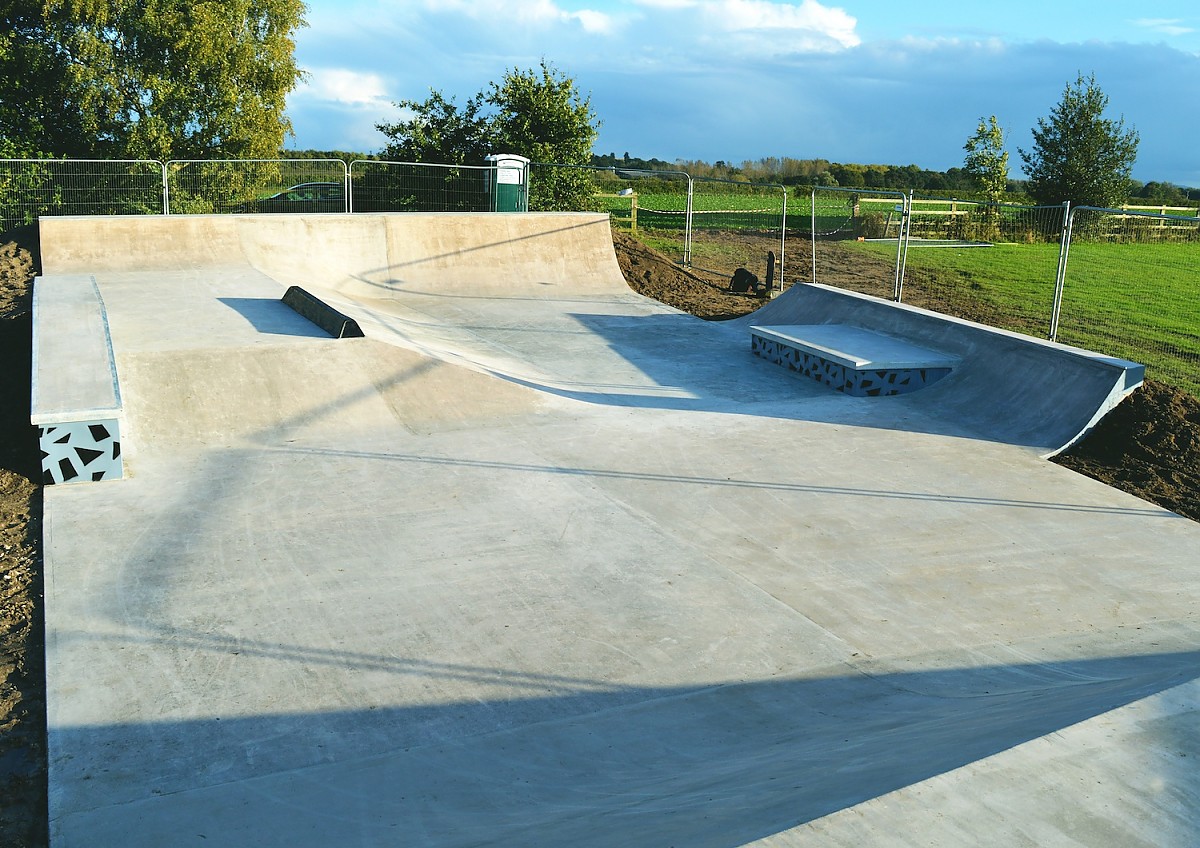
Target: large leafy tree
x,y
987,160
440,131
1078,154
157,79
536,113
540,114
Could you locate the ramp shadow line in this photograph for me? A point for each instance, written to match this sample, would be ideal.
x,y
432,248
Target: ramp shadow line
x,y
729,482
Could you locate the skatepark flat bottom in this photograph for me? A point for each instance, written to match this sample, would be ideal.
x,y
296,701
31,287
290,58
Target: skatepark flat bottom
x,y
541,562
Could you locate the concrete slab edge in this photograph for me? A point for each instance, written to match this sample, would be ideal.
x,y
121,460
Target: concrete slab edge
x,y
78,441
38,415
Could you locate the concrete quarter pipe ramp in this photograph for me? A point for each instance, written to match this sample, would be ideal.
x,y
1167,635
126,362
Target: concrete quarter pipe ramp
x,y
541,562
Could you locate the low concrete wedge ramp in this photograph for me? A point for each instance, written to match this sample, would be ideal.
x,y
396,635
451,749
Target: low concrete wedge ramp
x,y
541,562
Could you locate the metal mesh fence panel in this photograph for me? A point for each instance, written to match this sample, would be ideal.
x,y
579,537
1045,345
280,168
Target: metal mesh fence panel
x,y
991,263
736,225
936,220
555,187
712,226
1132,290
421,187
256,185
32,188
653,204
856,245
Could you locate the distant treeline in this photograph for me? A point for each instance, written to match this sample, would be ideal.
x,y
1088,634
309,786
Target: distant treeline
x,y
809,172
804,172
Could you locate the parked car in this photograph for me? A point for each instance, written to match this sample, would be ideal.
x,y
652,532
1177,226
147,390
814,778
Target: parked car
x,y
305,197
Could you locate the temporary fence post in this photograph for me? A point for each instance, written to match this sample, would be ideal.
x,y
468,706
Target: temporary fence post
x,y
813,233
782,239
902,247
1060,277
166,190
347,207
687,227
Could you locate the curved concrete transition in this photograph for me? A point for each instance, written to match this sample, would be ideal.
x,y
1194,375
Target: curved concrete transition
x,y
541,562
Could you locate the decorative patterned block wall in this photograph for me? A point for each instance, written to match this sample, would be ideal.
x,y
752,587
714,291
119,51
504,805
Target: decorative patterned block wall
x,y
81,450
869,383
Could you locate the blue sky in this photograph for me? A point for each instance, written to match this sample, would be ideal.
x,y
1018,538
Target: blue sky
x,y
735,80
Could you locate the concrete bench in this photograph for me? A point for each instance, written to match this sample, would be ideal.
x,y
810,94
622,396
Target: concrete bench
x,y
75,397
850,359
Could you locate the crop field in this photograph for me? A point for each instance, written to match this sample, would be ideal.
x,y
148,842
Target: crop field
x,y
758,209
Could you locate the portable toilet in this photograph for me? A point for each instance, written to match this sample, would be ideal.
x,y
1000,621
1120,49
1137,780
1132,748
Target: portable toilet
x,y
508,182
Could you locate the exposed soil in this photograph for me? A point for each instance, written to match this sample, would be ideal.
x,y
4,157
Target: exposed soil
x,y
22,670
1149,446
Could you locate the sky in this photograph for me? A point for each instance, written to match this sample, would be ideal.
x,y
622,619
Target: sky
x,y
872,82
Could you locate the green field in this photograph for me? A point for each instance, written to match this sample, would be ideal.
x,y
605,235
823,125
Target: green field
x,y
750,209
1136,301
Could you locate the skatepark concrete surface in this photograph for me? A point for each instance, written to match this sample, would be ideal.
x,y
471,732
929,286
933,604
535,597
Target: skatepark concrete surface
x,y
541,562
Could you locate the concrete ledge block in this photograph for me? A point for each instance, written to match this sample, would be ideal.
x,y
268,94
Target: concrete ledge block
x,y
851,359
75,397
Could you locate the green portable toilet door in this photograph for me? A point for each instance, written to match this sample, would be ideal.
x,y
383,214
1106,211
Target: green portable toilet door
x,y
509,182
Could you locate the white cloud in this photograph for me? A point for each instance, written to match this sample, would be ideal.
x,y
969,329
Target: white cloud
x,y
754,29
668,4
345,87
596,23
1166,26
809,19
525,13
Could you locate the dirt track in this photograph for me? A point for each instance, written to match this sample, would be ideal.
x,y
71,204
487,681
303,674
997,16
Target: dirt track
x,y
1149,446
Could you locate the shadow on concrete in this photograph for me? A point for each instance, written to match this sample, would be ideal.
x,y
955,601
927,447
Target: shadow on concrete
x,y
270,317
584,763
679,362
731,482
1015,403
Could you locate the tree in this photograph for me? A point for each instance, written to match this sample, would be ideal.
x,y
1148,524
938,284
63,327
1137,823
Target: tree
x,y
155,80
1165,193
540,115
850,175
439,131
537,113
987,160
1078,154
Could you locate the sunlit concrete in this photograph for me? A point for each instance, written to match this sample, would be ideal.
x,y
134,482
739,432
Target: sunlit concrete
x,y
542,562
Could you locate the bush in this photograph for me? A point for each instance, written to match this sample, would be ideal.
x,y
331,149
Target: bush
x,y
870,225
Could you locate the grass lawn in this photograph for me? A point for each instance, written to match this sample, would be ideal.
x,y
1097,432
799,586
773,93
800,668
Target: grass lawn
x,y
1138,301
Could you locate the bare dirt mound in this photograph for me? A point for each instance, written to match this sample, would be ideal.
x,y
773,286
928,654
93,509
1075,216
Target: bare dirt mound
x,y
17,251
1150,446
22,671
652,274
